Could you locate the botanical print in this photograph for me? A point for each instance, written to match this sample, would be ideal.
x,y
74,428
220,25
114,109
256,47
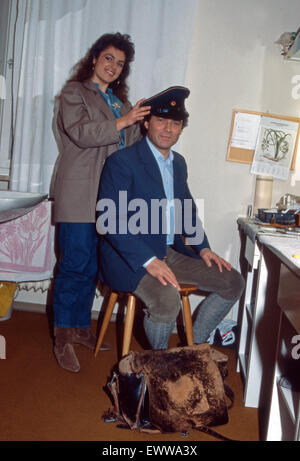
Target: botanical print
x,y
276,144
275,148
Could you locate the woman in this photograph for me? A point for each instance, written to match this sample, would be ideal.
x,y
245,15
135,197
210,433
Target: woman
x,y
94,120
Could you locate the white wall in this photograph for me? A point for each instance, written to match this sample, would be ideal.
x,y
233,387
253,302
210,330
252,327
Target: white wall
x,y
233,64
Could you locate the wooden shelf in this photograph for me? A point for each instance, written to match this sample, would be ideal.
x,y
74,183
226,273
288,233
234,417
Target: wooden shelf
x,y
269,319
289,297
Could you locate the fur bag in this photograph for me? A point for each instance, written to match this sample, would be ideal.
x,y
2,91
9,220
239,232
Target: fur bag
x,y
171,390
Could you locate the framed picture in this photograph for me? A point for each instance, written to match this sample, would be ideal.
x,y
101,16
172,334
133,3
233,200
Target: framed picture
x,y
247,129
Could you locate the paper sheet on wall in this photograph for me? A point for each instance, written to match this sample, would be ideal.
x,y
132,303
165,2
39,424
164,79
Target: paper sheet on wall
x,y
274,148
245,130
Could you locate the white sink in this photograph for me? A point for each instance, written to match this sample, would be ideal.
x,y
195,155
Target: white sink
x,y
15,204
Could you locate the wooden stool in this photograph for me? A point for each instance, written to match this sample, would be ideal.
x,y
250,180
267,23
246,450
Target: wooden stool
x,y
185,291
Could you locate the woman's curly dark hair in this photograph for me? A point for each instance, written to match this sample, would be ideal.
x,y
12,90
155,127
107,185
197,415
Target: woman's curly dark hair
x,y
84,69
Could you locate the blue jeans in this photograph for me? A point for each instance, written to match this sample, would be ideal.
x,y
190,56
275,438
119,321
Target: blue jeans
x,y
75,282
213,309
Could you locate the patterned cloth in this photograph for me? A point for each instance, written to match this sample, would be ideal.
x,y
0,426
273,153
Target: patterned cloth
x,y
26,246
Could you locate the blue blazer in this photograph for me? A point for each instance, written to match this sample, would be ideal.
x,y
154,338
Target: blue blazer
x,y
135,172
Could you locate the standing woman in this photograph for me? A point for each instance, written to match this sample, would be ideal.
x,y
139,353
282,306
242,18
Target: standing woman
x,y
94,120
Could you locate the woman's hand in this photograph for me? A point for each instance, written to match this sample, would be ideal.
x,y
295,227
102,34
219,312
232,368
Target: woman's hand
x,y
136,114
209,256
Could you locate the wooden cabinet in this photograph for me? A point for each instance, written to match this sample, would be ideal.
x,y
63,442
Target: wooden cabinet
x,y
269,320
259,322
284,418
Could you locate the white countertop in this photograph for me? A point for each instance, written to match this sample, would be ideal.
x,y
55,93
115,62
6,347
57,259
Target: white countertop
x,y
285,246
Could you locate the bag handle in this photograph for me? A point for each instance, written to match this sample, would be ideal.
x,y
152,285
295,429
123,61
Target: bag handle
x,y
208,430
230,394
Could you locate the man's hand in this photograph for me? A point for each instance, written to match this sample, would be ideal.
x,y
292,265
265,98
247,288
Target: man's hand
x,y
160,270
209,256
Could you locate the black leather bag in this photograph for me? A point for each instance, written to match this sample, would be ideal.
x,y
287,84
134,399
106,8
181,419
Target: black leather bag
x,y
171,390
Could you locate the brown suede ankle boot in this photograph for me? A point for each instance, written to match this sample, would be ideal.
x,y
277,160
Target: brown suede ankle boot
x,y
64,351
86,337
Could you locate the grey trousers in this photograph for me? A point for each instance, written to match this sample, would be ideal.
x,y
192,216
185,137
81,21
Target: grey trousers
x,y
163,302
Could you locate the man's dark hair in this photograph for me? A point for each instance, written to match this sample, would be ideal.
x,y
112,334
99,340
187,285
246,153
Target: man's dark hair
x,y
185,120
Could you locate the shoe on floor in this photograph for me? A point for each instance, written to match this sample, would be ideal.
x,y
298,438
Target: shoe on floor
x,y
64,350
86,337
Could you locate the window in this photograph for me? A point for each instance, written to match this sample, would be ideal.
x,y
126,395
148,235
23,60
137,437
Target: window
x,y
6,32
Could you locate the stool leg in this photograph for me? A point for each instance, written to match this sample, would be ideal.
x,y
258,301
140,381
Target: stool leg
x,y
107,316
187,320
128,324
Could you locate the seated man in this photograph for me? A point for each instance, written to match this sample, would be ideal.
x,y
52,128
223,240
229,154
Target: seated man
x,y
143,251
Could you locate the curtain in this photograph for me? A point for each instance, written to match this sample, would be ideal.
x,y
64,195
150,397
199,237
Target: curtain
x,y
52,35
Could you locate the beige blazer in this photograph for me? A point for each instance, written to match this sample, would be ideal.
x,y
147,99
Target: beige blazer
x,y
86,134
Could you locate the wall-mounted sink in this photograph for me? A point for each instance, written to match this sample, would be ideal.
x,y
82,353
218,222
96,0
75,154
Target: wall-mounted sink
x,y
15,204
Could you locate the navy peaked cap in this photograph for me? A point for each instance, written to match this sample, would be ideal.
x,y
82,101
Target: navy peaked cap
x,y
169,103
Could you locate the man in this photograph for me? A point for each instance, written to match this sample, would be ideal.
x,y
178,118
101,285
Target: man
x,y
144,252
